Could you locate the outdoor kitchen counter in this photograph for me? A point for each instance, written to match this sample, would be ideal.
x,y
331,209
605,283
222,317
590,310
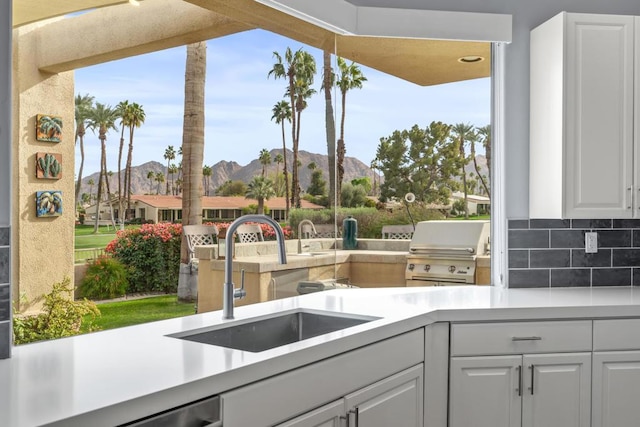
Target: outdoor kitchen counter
x,y
111,377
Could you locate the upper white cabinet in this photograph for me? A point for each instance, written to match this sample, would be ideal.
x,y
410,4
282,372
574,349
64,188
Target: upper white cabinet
x,y
582,150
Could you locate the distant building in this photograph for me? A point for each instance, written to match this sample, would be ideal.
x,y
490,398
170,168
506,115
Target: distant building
x,y
476,204
159,208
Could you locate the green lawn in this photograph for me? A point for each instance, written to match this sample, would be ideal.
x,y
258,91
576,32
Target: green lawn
x,y
127,313
85,239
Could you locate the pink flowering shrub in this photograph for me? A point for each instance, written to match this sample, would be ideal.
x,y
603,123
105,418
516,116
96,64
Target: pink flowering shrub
x,y
151,254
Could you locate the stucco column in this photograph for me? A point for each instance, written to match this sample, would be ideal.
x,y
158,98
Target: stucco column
x,y
5,178
42,246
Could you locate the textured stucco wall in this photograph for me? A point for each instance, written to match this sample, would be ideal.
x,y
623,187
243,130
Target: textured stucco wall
x,y
43,249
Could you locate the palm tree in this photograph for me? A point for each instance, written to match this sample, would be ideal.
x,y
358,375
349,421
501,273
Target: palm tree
x,y
192,151
169,155
281,113
298,69
328,79
484,133
91,183
122,111
312,166
260,189
103,118
150,176
136,117
173,169
463,133
349,77
265,160
51,126
84,104
207,171
159,178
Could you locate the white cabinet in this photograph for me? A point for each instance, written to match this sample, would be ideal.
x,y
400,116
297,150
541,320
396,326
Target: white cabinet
x,y
498,378
582,122
384,379
395,401
616,373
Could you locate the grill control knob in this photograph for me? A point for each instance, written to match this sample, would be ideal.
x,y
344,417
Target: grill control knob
x,y
452,268
427,267
411,267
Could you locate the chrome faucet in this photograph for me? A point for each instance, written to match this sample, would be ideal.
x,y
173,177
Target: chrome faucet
x,y
229,291
300,224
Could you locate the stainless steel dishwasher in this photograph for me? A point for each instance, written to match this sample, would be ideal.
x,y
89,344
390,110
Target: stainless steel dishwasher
x,y
202,413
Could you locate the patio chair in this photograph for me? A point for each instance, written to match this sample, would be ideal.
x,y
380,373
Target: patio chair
x,y
397,232
249,233
198,235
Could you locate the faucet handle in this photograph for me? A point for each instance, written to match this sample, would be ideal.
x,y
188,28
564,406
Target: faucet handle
x,y
240,293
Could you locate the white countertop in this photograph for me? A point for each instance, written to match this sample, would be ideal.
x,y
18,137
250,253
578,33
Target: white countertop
x,y
115,376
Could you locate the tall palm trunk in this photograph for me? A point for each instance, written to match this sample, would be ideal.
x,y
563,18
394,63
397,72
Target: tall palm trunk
x,y
475,165
464,179
285,172
127,168
192,150
330,127
106,180
341,150
294,142
81,133
120,195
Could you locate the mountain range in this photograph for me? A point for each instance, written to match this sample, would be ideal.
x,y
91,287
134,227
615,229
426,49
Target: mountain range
x,y
224,171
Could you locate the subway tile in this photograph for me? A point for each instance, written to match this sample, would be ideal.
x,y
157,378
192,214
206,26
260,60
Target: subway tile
x,y
579,258
529,278
571,277
636,277
546,258
614,238
590,223
626,257
5,340
611,277
4,236
626,223
518,224
635,238
568,239
518,259
524,239
550,223
4,265
5,309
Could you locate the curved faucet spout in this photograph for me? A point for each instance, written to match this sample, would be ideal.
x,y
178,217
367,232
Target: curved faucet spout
x,y
229,291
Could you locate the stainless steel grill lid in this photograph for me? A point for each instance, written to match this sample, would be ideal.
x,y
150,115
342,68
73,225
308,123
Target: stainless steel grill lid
x,y
450,238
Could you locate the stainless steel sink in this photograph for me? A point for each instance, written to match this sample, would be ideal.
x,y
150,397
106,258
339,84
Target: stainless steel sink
x,y
275,331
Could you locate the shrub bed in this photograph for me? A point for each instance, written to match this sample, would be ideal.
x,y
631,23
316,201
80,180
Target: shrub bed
x,y
106,277
151,255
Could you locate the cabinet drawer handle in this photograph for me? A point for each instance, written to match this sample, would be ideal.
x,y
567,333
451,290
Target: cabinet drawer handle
x,y
526,338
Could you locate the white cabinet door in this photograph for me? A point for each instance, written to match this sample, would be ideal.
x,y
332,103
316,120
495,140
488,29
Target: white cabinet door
x,y
557,390
582,117
599,115
395,401
326,416
485,391
616,389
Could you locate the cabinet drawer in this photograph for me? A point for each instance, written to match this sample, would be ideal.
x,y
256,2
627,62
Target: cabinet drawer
x,y
619,334
520,337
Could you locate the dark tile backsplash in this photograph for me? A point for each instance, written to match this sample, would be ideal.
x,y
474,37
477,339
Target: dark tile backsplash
x,y
5,294
551,253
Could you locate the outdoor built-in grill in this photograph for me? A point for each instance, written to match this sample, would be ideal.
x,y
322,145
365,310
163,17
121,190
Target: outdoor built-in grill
x,y
444,252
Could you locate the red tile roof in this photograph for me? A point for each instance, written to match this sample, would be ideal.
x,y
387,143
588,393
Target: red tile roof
x,y
217,202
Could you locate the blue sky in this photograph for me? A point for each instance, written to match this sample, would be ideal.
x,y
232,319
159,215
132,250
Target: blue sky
x,y
240,97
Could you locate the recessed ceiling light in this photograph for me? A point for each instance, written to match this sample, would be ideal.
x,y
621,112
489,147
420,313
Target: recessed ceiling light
x,y
470,59
134,2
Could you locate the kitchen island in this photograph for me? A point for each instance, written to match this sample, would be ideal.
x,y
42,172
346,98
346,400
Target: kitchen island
x,y
117,376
